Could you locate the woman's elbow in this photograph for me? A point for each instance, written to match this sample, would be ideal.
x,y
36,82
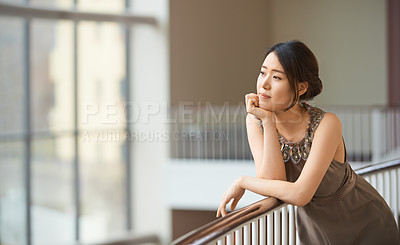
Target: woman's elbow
x,y
302,197
301,202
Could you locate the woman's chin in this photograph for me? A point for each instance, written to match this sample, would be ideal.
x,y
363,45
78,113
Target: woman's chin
x,y
271,106
266,106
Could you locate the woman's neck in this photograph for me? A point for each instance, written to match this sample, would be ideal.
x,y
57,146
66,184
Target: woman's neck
x,y
293,123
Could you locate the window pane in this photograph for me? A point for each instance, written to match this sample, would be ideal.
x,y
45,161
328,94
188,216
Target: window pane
x,y
11,76
101,75
114,6
52,191
52,76
12,193
102,184
12,187
101,96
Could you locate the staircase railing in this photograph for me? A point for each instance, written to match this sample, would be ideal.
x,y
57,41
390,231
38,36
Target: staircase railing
x,y
271,221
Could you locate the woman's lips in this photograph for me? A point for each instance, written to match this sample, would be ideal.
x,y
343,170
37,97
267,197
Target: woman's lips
x,y
263,96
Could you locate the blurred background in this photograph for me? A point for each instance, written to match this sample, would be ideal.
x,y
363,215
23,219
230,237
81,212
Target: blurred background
x,y
125,118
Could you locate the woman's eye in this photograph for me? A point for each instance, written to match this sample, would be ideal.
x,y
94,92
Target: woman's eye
x,y
275,77
262,73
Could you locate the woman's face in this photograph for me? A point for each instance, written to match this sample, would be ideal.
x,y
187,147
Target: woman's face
x,y
273,87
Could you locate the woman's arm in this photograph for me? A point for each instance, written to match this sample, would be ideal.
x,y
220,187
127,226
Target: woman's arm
x,y
325,143
265,149
264,146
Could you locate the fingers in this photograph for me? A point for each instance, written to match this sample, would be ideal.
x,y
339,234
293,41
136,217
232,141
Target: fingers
x,y
222,208
220,212
234,203
251,98
251,102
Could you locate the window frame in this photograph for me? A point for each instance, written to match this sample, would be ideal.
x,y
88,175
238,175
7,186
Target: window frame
x,y
28,12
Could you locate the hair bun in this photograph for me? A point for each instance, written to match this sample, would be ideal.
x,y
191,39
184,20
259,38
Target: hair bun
x,y
314,89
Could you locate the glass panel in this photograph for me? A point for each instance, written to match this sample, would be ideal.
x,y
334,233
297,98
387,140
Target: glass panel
x,y
12,193
11,76
52,191
12,187
101,75
102,185
114,6
52,76
52,3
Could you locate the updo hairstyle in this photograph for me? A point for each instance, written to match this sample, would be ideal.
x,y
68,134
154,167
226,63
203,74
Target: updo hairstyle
x,y
300,65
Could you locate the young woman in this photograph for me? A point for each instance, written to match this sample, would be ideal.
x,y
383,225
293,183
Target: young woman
x,y
300,157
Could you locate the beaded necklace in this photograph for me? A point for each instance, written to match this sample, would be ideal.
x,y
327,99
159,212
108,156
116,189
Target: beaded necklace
x,y
295,151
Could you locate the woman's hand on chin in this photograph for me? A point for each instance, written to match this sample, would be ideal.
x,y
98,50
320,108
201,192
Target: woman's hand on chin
x,y
253,108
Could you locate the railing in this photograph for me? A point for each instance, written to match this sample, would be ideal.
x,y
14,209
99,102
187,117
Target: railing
x,y
384,178
372,134
270,221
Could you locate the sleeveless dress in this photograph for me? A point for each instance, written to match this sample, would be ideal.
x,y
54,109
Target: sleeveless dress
x,y
345,209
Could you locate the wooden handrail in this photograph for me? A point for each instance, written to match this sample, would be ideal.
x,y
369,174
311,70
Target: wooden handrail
x,y
378,167
217,228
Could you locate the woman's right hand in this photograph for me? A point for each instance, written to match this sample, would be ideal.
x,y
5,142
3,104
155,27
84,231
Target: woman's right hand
x,y
235,193
253,108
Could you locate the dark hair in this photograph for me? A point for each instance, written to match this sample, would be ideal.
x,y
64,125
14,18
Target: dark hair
x,y
300,65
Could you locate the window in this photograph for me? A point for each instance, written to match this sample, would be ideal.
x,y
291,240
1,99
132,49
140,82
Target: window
x,y
63,157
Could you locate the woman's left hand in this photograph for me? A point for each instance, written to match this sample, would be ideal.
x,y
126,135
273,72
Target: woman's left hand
x,y
234,192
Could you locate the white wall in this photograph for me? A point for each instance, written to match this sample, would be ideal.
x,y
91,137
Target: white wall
x,y
349,40
199,184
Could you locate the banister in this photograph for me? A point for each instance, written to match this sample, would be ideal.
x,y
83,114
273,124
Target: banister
x,y
217,228
378,167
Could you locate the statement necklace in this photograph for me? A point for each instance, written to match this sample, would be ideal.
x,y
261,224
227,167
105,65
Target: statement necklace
x,y
295,151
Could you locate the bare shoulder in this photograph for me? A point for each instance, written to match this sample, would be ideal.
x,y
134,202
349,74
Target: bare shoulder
x,y
330,124
330,118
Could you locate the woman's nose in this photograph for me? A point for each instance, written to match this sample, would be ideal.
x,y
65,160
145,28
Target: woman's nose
x,y
265,84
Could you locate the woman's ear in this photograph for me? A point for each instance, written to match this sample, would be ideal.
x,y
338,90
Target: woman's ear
x,y
303,87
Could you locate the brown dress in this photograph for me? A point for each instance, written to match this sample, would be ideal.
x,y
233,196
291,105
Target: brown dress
x,y
345,209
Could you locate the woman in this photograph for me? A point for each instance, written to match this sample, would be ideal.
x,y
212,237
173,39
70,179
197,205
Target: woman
x,y
300,157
